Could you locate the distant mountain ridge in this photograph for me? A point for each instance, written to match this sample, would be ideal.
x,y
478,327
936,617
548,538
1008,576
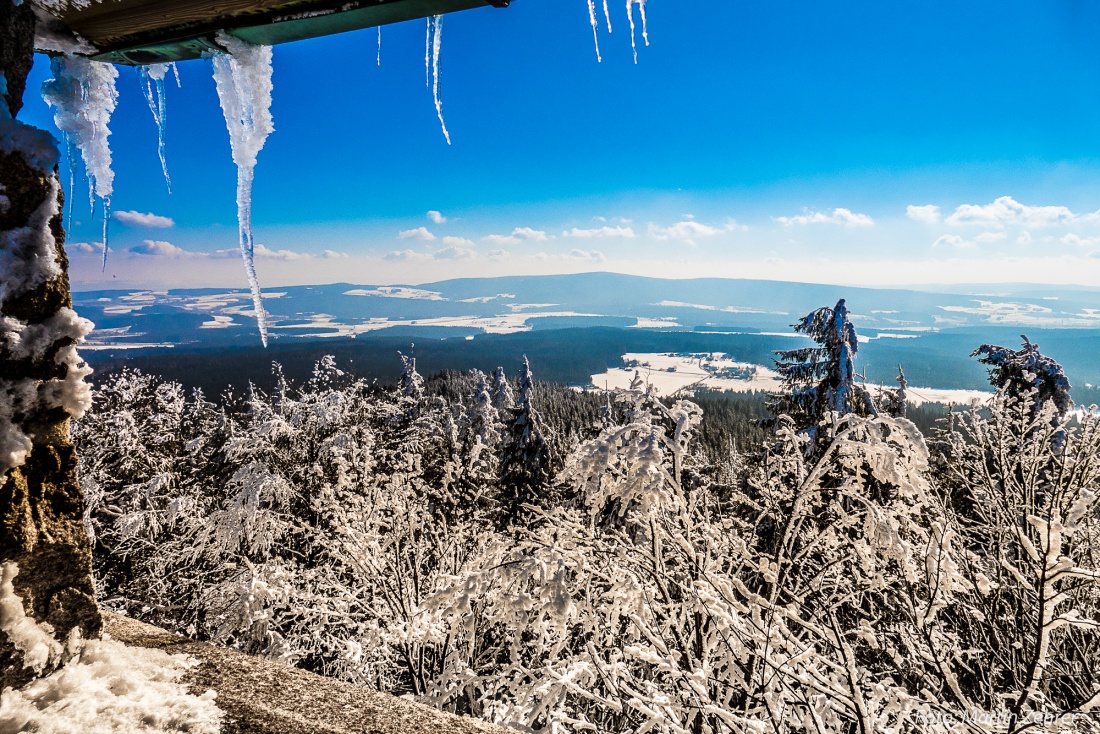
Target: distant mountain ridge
x,y
469,306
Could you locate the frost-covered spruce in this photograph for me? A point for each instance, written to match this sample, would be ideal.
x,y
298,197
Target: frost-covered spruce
x,y
821,381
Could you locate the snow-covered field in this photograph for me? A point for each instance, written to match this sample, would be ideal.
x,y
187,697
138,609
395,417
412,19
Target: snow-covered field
x,y
671,373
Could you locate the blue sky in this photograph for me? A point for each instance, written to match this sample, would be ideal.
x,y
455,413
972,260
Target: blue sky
x,y
774,139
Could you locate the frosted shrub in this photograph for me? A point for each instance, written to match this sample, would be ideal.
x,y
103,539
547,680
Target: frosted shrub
x,y
866,585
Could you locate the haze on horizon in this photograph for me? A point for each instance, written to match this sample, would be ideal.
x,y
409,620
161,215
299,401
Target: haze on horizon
x,y
858,143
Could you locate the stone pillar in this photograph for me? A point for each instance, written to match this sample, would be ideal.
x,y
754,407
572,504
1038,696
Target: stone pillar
x,y
42,384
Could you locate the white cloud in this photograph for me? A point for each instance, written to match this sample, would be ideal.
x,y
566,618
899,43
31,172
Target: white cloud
x,y
592,255
458,242
453,253
686,231
437,217
989,237
927,213
1095,254
953,240
1007,211
144,220
404,255
420,233
1078,241
526,233
1024,238
840,215
600,232
159,248
519,234
265,253
84,247
496,254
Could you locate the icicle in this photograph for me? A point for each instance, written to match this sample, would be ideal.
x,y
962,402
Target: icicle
x,y
243,79
379,59
176,73
152,86
427,51
595,28
437,44
106,223
70,155
630,16
83,96
607,15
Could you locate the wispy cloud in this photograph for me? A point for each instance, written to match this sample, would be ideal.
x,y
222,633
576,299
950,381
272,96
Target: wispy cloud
x,y
519,234
147,219
955,241
590,255
458,242
159,248
600,232
1079,241
84,247
687,231
453,253
420,233
405,256
1006,211
927,213
437,216
840,215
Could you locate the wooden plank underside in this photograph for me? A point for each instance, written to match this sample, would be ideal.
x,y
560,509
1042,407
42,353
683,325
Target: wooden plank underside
x,y
149,31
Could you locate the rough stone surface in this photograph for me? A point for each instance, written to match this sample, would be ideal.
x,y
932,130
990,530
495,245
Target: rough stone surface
x,y
261,696
41,505
17,50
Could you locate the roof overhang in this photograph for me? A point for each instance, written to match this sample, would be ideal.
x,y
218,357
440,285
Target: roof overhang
x,y
139,32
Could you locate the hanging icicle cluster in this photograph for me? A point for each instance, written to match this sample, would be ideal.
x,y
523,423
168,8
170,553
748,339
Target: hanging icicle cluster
x,y
433,44
83,96
152,86
243,78
607,19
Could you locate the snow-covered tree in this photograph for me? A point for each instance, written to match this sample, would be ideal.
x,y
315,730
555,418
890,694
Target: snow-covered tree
x,y
529,461
502,392
821,381
1026,371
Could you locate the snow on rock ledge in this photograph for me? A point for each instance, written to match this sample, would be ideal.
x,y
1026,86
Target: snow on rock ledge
x,y
261,696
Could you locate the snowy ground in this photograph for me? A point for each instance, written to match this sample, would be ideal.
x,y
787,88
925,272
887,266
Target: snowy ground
x,y
670,373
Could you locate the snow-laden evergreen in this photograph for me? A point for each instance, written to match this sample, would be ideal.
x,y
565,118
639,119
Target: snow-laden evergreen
x,y
243,79
819,383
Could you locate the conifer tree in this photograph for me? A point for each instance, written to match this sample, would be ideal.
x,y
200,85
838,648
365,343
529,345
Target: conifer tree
x,y
1019,371
821,380
502,392
528,460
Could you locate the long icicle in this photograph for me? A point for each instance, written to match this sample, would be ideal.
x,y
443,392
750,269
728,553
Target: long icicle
x,y
243,80
630,16
595,29
106,224
427,51
437,45
152,86
379,59
70,156
607,15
